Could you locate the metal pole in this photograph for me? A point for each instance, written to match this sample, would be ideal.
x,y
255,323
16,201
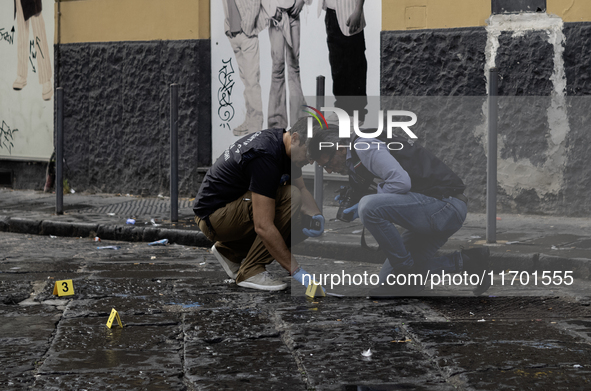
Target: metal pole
x,y
491,180
59,153
174,153
318,173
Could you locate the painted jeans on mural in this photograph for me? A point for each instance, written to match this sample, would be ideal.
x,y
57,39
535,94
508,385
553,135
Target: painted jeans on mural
x,y
284,36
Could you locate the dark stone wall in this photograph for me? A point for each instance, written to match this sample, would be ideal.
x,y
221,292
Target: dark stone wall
x,y
24,175
433,62
117,114
451,63
577,58
442,63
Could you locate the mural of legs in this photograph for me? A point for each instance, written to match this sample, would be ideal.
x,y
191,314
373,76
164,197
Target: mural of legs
x,y
42,49
43,60
285,55
22,35
246,50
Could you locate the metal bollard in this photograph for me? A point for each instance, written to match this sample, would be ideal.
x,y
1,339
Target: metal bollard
x,y
318,173
174,153
491,178
59,153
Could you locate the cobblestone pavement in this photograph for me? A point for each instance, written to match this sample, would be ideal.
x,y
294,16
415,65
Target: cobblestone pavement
x,y
187,328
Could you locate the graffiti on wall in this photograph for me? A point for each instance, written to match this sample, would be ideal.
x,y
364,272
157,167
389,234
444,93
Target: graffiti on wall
x,y
7,137
226,109
7,36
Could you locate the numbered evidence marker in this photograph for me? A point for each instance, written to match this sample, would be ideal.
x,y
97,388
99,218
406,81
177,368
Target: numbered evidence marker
x,y
313,288
114,314
63,288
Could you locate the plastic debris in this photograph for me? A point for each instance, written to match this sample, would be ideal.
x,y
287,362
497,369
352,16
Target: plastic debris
x,y
152,257
367,353
202,263
53,236
481,320
108,248
358,231
111,214
228,281
130,221
513,242
162,242
72,191
475,237
154,223
577,366
97,239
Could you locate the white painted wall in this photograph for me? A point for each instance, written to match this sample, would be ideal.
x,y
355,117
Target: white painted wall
x,y
26,120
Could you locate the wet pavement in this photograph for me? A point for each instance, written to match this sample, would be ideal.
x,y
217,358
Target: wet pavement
x,y
524,242
186,327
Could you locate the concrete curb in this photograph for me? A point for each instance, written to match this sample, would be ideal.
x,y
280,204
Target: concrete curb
x,y
352,252
107,232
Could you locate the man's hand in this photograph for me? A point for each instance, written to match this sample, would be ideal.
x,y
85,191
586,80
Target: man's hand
x,y
315,232
354,21
354,209
294,11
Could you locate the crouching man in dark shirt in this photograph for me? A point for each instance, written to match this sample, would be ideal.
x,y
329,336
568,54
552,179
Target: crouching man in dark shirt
x,y
250,199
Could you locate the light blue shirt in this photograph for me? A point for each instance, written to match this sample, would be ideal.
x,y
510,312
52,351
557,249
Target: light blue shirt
x,y
378,160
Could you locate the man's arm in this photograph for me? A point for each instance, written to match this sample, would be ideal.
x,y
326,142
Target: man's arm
x,y
309,206
263,211
354,21
381,163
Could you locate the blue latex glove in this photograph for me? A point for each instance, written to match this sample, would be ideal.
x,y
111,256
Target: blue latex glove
x,y
315,232
299,277
354,209
284,179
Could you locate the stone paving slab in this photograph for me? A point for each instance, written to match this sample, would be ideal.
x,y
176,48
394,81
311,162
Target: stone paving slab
x,y
134,380
242,365
146,343
333,355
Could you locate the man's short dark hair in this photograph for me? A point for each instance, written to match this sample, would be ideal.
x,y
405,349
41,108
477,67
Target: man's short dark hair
x,y
330,138
301,128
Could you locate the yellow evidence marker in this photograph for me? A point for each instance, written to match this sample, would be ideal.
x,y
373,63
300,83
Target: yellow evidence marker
x,y
312,288
114,314
63,288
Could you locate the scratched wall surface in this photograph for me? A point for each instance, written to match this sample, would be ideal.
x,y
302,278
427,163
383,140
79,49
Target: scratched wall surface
x,y
543,137
26,83
117,114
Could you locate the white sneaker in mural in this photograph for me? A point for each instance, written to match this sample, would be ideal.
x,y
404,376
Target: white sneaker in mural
x,y
47,90
248,127
19,83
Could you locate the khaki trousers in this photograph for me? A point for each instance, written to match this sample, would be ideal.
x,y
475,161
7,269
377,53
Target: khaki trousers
x,y
234,233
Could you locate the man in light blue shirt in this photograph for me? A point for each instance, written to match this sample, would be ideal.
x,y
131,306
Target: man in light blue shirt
x,y
393,183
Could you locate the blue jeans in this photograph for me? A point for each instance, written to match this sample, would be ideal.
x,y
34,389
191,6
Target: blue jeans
x,y
429,222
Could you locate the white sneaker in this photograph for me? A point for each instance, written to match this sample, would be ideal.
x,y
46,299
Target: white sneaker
x,y
19,83
263,281
47,90
230,267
